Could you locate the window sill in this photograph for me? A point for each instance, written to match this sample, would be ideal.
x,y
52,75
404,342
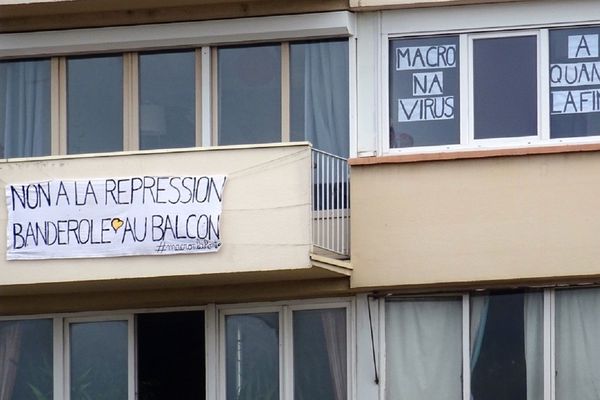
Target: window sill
x,y
473,154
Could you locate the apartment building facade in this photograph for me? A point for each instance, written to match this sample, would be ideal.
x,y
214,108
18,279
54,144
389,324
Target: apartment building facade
x,y
373,199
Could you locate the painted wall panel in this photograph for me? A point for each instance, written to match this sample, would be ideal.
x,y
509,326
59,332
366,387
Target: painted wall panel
x,y
508,218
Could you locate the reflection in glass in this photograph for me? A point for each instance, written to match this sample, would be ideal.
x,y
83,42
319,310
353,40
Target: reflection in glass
x,y
319,94
94,104
167,100
424,348
505,87
26,360
249,93
98,360
507,346
24,108
252,356
320,366
577,344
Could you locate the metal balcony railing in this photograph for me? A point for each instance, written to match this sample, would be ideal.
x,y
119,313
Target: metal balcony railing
x,y
331,203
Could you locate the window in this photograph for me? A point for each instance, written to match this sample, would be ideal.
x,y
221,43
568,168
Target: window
x,y
505,87
319,94
424,347
171,355
261,346
506,346
167,100
249,94
528,345
94,104
501,88
98,360
260,93
577,343
424,92
285,91
574,82
276,351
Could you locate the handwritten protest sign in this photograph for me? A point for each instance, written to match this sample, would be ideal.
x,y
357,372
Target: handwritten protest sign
x,y
424,91
574,76
142,215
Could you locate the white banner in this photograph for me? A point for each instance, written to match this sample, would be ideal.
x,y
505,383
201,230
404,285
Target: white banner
x,y
144,215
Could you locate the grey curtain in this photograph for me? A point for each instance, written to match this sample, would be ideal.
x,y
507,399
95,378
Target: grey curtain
x,y
26,102
326,96
10,351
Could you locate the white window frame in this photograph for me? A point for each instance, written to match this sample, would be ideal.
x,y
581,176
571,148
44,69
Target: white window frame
x,y
202,36
471,93
548,333
476,21
130,350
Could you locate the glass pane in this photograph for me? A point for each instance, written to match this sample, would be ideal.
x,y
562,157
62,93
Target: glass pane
x,y
94,104
319,95
175,340
424,92
99,360
424,348
26,360
577,344
574,82
249,93
505,87
252,356
167,100
320,367
24,108
507,346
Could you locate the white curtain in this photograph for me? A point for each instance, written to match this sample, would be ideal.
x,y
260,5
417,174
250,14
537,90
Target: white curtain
x,y
10,351
533,314
578,344
334,329
326,96
424,349
26,123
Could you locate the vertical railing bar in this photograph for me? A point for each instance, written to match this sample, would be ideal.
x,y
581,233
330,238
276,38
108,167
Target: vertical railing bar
x,y
327,205
312,195
337,206
340,231
322,226
344,207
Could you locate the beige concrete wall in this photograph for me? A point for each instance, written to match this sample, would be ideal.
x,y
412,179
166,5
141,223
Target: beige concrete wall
x,y
33,15
391,4
265,225
532,217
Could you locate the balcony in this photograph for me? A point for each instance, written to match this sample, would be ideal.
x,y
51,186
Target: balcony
x,y
285,216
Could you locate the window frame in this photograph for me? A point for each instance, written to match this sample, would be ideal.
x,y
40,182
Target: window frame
x,y
286,357
131,378
214,340
548,333
480,21
203,37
